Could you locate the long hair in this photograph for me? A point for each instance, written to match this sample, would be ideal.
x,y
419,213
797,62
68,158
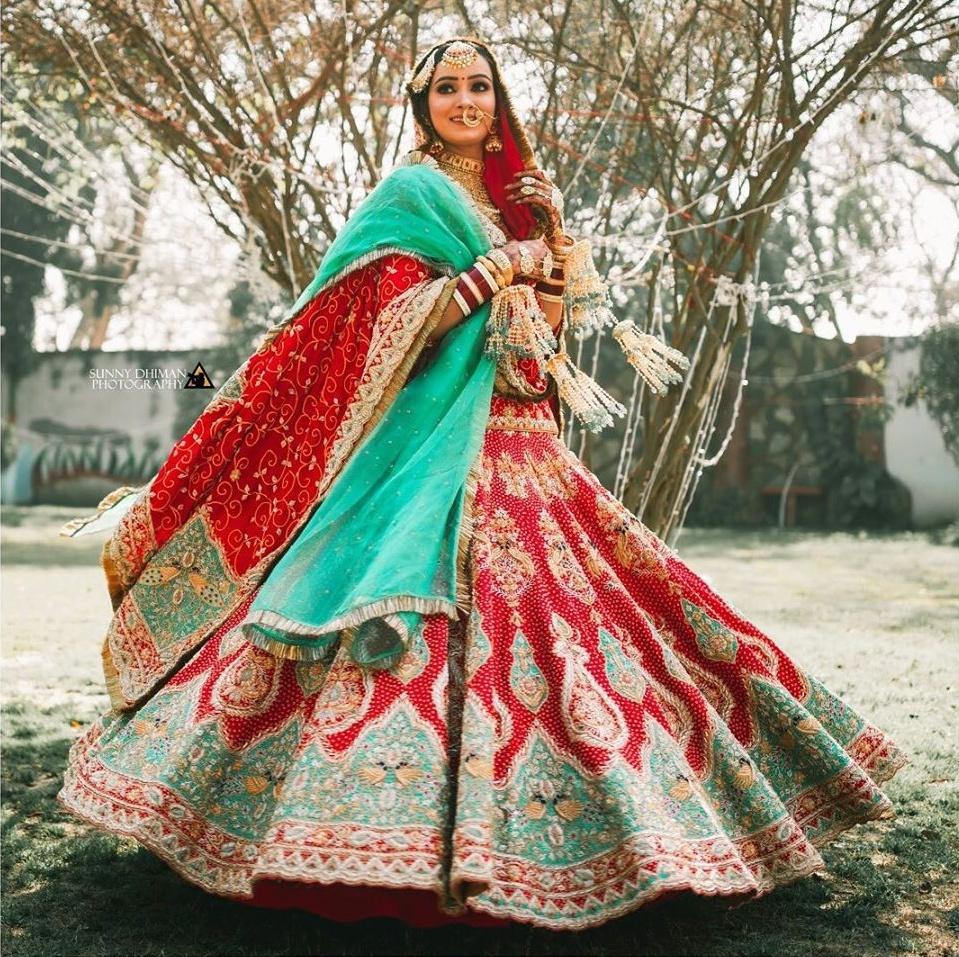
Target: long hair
x,y
499,168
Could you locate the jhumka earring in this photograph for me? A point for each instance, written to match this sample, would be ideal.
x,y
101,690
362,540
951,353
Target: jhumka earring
x,y
493,144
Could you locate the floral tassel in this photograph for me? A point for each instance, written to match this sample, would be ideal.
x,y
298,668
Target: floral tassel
x,y
587,400
650,356
587,296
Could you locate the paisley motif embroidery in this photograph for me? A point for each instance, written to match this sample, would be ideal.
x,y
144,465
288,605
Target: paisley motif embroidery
x,y
501,551
554,475
345,696
590,715
231,643
562,562
624,666
715,640
714,689
525,677
248,685
634,545
512,474
478,647
503,726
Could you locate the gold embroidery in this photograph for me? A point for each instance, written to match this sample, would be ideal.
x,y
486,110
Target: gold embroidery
x,y
500,550
562,561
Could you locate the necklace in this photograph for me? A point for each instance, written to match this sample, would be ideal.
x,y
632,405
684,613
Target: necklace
x,y
449,158
469,174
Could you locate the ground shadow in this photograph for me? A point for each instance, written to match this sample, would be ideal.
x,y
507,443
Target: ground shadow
x,y
69,889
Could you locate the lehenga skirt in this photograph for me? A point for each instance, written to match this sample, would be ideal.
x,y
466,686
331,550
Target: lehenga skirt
x,y
600,731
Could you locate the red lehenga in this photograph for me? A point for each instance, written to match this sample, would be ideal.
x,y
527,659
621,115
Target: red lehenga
x,y
601,730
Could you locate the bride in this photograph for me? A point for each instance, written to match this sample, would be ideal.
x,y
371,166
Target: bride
x,y
383,646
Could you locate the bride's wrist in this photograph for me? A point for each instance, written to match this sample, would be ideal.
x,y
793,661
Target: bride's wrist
x,y
560,243
475,286
551,289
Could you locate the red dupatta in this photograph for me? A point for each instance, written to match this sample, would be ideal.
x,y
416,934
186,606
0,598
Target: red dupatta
x,y
238,486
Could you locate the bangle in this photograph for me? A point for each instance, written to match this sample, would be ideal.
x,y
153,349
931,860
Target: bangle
x,y
549,297
560,249
461,302
499,259
492,280
470,289
469,281
496,274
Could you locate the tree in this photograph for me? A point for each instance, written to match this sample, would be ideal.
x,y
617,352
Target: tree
x,y
691,118
938,381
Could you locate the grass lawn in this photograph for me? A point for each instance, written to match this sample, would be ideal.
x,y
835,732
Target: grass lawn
x,y
875,617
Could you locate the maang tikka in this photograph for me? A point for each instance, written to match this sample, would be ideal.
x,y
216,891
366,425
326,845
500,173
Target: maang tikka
x,y
459,55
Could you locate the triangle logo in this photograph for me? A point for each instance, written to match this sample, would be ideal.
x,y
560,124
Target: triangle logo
x,y
198,379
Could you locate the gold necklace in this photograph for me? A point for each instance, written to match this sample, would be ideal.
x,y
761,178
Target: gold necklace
x,y
456,160
469,174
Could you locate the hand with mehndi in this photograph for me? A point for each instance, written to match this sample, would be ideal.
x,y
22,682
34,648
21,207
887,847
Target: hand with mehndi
x,y
536,249
532,187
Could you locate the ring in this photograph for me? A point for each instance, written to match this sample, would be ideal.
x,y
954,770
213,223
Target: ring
x,y
528,190
529,180
526,262
557,198
547,264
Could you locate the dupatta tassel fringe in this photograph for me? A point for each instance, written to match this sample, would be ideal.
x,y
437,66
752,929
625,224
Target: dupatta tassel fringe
x,y
650,356
586,398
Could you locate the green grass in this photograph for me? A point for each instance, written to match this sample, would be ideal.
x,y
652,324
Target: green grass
x,y
875,617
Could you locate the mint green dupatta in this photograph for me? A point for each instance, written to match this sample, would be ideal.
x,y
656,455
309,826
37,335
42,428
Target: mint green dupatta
x,y
380,551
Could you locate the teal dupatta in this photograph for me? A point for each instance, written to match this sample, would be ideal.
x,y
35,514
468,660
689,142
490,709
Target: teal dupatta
x,y
380,550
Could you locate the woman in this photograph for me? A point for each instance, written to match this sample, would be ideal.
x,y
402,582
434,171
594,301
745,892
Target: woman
x,y
383,646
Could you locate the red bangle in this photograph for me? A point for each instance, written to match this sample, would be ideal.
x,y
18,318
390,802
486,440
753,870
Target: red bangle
x,y
474,288
551,288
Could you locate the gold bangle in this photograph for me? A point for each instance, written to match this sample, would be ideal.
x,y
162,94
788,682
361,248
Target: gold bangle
x,y
495,272
483,269
549,297
501,260
502,278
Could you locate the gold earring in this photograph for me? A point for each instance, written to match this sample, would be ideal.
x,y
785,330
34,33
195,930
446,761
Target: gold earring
x,y
435,148
493,143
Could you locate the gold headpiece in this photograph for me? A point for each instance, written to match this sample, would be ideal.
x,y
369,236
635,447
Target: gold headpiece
x,y
459,55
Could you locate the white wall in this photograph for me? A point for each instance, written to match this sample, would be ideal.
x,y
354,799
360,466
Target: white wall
x,y
915,451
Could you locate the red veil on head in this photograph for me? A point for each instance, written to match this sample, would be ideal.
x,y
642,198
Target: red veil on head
x,y
499,168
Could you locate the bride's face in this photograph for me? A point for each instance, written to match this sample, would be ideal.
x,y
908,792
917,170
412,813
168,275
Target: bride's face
x,y
455,93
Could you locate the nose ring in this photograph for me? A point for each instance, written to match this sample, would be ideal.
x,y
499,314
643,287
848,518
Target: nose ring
x,y
473,115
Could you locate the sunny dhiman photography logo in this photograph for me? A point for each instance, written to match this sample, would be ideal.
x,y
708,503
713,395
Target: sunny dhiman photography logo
x,y
155,378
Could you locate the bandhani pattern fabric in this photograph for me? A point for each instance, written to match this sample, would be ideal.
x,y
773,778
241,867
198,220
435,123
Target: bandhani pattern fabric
x,y
600,729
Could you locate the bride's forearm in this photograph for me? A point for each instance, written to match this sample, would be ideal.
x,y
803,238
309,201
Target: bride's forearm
x,y
551,309
452,316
